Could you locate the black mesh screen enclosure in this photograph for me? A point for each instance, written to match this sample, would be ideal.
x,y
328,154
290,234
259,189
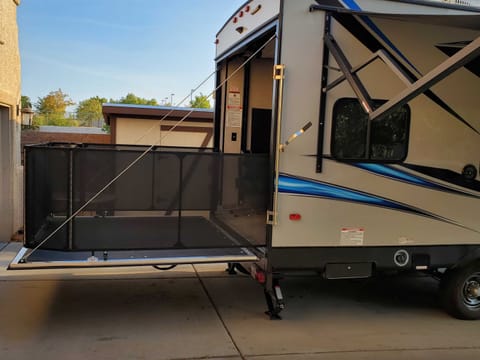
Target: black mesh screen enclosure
x,y
172,198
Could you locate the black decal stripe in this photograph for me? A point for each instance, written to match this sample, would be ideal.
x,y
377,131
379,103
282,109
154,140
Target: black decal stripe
x,y
332,3
350,23
442,174
447,108
445,175
452,48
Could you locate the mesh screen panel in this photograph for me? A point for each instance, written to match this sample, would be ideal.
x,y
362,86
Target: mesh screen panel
x,y
46,184
169,199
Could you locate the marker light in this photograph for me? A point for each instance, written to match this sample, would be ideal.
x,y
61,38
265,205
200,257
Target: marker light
x,y
295,217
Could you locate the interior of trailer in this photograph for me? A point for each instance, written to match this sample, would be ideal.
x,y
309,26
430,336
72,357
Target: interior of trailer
x,y
245,102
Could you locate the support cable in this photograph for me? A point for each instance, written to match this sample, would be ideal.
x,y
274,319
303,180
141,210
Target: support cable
x,y
174,109
144,153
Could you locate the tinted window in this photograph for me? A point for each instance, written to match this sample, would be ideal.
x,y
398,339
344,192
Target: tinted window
x,y
388,135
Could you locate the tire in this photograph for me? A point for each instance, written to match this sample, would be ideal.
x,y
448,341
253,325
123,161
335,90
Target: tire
x,y
460,292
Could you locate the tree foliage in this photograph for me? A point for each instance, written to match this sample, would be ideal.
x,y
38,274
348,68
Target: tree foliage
x,y
51,109
200,101
131,98
56,102
26,102
90,110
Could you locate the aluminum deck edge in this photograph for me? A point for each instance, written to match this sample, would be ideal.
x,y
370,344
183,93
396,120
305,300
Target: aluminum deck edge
x,y
16,263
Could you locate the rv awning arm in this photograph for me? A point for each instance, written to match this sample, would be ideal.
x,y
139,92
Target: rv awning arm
x,y
382,55
456,61
349,74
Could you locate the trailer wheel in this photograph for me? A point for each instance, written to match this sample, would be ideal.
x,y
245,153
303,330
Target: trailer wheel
x,y
460,292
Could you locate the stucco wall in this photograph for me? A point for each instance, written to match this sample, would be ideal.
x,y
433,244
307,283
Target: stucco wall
x,y
11,186
9,53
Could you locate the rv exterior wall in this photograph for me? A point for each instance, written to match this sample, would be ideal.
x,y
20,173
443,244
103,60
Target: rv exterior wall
x,y
397,213
436,139
11,172
301,53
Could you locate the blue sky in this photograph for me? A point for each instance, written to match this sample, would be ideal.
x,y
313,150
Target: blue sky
x,y
112,47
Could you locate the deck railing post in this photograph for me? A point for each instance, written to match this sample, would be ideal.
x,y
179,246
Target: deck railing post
x,y
180,196
70,199
215,190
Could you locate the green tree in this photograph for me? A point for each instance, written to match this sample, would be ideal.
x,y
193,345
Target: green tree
x,y
51,109
131,98
26,102
90,110
200,101
56,102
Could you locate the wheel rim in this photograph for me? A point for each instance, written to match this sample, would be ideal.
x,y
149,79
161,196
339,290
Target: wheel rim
x,y
471,291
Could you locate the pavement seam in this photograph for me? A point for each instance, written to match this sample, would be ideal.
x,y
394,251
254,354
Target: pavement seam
x,y
253,356
218,314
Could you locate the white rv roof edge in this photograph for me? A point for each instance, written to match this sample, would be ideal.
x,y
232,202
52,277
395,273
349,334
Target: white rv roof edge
x,y
421,3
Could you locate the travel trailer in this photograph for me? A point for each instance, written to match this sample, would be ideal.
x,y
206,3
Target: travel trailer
x,y
346,142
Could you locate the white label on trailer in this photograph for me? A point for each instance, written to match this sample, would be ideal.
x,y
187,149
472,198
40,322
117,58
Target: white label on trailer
x,y
234,109
351,236
234,99
234,118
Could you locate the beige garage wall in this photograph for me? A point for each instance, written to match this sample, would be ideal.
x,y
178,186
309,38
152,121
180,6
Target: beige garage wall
x,y
148,132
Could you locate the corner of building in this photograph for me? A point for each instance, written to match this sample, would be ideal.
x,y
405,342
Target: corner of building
x,y
11,181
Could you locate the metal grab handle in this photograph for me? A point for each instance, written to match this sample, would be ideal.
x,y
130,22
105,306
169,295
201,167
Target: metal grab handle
x,y
295,135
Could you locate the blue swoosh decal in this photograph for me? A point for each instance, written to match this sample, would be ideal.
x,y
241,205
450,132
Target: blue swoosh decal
x,y
397,174
293,185
352,5
288,184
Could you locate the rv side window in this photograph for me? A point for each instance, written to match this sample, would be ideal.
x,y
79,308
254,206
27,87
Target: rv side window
x,y
389,136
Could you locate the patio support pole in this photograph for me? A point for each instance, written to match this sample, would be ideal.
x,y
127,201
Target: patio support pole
x,y
70,199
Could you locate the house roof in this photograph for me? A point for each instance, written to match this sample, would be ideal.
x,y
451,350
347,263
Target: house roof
x,y
71,129
131,111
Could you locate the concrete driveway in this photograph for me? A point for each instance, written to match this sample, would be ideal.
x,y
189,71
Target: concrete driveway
x,y
202,313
